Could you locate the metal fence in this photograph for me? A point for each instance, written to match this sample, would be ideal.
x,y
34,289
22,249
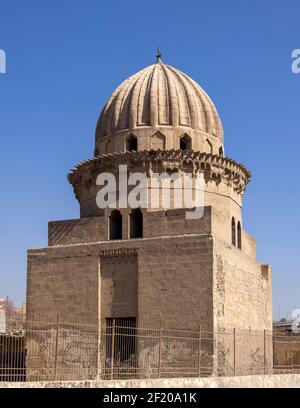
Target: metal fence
x,y
44,349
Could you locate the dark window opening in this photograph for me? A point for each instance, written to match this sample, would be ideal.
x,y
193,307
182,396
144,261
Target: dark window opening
x,y
185,143
182,144
136,223
115,225
121,339
239,235
131,144
221,152
233,232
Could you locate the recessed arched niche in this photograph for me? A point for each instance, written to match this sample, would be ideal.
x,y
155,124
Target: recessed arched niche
x,y
109,147
185,142
136,223
239,235
208,147
131,143
115,225
158,141
233,231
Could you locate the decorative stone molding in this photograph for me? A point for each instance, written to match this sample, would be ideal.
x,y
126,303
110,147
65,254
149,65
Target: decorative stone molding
x,y
215,168
118,252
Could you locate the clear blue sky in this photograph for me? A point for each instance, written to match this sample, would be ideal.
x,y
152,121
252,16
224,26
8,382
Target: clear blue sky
x,y
64,59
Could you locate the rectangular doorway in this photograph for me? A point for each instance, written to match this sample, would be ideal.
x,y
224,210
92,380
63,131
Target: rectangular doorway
x,y
121,341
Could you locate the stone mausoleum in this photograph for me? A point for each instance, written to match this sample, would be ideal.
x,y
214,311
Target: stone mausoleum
x,y
155,266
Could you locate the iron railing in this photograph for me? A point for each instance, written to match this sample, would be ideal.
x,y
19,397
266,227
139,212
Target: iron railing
x,y
47,349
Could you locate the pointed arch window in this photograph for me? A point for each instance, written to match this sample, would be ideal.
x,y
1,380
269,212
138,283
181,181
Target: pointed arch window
x,y
208,147
115,225
233,232
109,147
221,151
131,143
185,143
136,223
239,235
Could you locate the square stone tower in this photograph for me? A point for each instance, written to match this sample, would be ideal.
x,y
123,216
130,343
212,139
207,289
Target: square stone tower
x,y
153,265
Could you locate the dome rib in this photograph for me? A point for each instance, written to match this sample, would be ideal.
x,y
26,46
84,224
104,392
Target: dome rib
x,y
189,98
159,95
173,100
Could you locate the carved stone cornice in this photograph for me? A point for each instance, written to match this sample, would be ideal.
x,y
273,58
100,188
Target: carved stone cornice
x,y
215,168
118,252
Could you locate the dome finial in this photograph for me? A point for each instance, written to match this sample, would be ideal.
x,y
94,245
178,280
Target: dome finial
x,y
158,55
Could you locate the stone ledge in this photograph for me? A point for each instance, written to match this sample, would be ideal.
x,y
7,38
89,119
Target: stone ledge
x,y
253,381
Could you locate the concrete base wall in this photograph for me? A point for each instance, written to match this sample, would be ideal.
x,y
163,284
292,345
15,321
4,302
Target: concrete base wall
x,y
253,381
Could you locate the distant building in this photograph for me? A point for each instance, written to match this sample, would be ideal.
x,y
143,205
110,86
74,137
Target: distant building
x,y
9,312
2,321
287,327
286,346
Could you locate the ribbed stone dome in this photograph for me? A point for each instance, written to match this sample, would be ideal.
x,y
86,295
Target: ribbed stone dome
x,y
158,97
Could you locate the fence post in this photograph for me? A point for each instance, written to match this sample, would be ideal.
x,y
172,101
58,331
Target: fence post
x,y
250,338
273,354
160,349
264,351
56,347
99,348
112,350
234,363
199,353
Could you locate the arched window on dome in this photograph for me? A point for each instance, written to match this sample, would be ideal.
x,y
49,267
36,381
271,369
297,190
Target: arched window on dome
x,y
158,141
136,223
131,143
115,225
208,147
221,151
239,235
185,143
233,232
109,147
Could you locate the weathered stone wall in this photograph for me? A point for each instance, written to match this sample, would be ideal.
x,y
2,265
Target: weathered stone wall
x,y
174,222
76,231
155,224
64,281
175,283
63,352
242,301
172,272
248,291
